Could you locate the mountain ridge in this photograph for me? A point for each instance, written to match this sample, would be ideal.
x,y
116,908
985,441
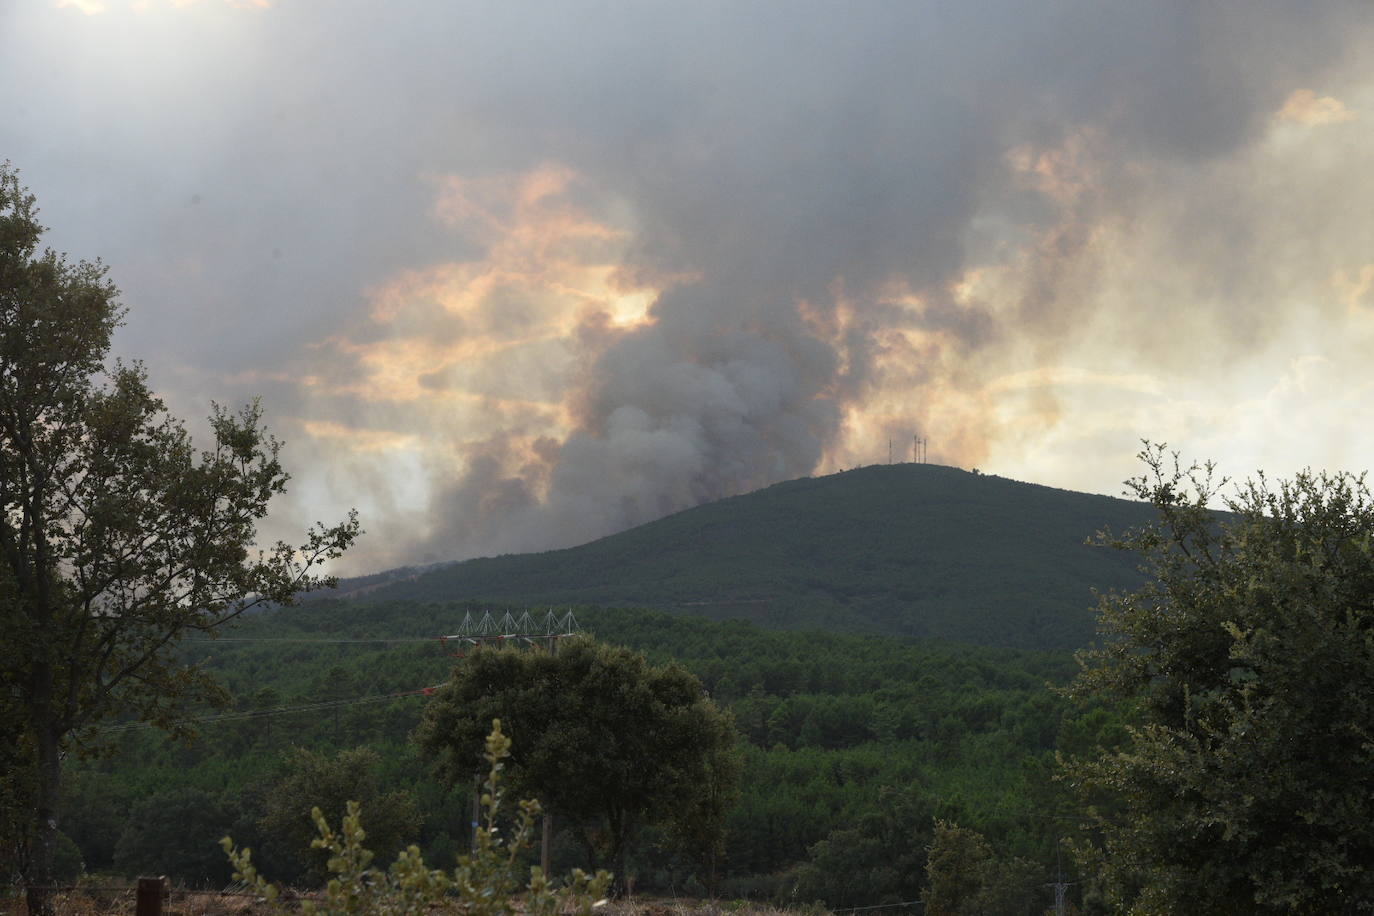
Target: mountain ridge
x,y
903,550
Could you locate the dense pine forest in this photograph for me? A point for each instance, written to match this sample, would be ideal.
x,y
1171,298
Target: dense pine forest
x,y
853,747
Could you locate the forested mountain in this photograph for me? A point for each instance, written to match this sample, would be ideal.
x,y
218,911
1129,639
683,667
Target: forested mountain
x,y
909,549
851,747
857,740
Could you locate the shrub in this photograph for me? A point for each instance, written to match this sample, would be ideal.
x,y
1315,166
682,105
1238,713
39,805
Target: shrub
x,y
486,883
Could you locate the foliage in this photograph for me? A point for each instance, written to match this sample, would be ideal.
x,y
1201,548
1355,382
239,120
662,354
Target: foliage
x,y
155,837
900,550
1248,785
968,879
969,733
116,536
485,883
611,742
879,860
956,861
321,781
699,829
98,811
17,789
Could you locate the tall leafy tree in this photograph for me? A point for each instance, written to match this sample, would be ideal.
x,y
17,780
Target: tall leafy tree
x,y
968,879
603,738
117,535
176,832
880,858
329,782
1248,784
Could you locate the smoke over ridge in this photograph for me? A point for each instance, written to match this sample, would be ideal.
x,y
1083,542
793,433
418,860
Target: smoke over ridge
x,y
535,275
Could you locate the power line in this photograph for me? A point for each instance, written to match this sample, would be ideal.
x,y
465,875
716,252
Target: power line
x,y
472,630
311,639
278,710
880,906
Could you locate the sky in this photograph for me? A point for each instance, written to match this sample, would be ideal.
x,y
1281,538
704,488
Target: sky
x,y
510,276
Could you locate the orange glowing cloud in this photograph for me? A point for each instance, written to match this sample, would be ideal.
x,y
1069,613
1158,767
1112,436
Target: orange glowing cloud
x,y
1063,173
1063,376
1355,290
916,381
488,348
1304,106
357,439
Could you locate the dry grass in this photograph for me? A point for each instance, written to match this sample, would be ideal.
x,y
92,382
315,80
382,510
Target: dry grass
x,y
210,903
684,907
106,903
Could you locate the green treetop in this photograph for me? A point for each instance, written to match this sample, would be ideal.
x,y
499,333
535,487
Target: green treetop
x,y
606,740
1248,785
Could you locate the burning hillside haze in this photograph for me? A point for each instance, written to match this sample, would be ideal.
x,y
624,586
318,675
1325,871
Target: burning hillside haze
x,y
511,277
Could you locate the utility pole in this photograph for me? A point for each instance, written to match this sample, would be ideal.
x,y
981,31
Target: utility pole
x,y
1061,887
546,840
511,631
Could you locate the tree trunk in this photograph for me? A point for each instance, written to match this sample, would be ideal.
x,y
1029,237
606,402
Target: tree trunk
x,y
620,876
39,878
584,836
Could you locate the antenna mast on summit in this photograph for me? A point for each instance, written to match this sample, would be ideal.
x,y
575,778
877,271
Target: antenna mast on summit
x,y
918,450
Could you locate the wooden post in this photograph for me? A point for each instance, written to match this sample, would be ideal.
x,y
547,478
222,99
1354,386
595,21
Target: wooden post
x,y
149,899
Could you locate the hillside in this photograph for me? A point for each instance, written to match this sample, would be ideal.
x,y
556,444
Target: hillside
x,y
913,549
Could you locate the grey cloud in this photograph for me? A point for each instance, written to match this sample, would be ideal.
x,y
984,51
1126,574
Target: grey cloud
x,y
775,151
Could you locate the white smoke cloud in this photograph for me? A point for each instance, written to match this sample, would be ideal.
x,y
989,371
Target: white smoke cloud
x,y
515,277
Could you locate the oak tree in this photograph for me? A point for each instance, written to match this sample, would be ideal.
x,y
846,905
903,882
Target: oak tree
x,y
607,741
117,535
1247,785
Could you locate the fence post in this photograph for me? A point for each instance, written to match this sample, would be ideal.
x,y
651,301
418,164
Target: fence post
x,y
150,894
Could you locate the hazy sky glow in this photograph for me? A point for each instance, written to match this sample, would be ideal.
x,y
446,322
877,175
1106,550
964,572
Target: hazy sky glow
x,y
511,276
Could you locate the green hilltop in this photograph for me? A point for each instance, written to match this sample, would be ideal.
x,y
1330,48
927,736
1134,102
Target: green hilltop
x,y
905,550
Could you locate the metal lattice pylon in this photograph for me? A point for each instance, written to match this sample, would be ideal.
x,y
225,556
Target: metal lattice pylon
x,y
508,628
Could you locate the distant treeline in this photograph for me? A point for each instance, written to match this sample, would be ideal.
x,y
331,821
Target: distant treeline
x,y
853,747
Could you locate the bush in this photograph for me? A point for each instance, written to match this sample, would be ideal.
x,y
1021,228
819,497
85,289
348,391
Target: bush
x,y
485,883
170,833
